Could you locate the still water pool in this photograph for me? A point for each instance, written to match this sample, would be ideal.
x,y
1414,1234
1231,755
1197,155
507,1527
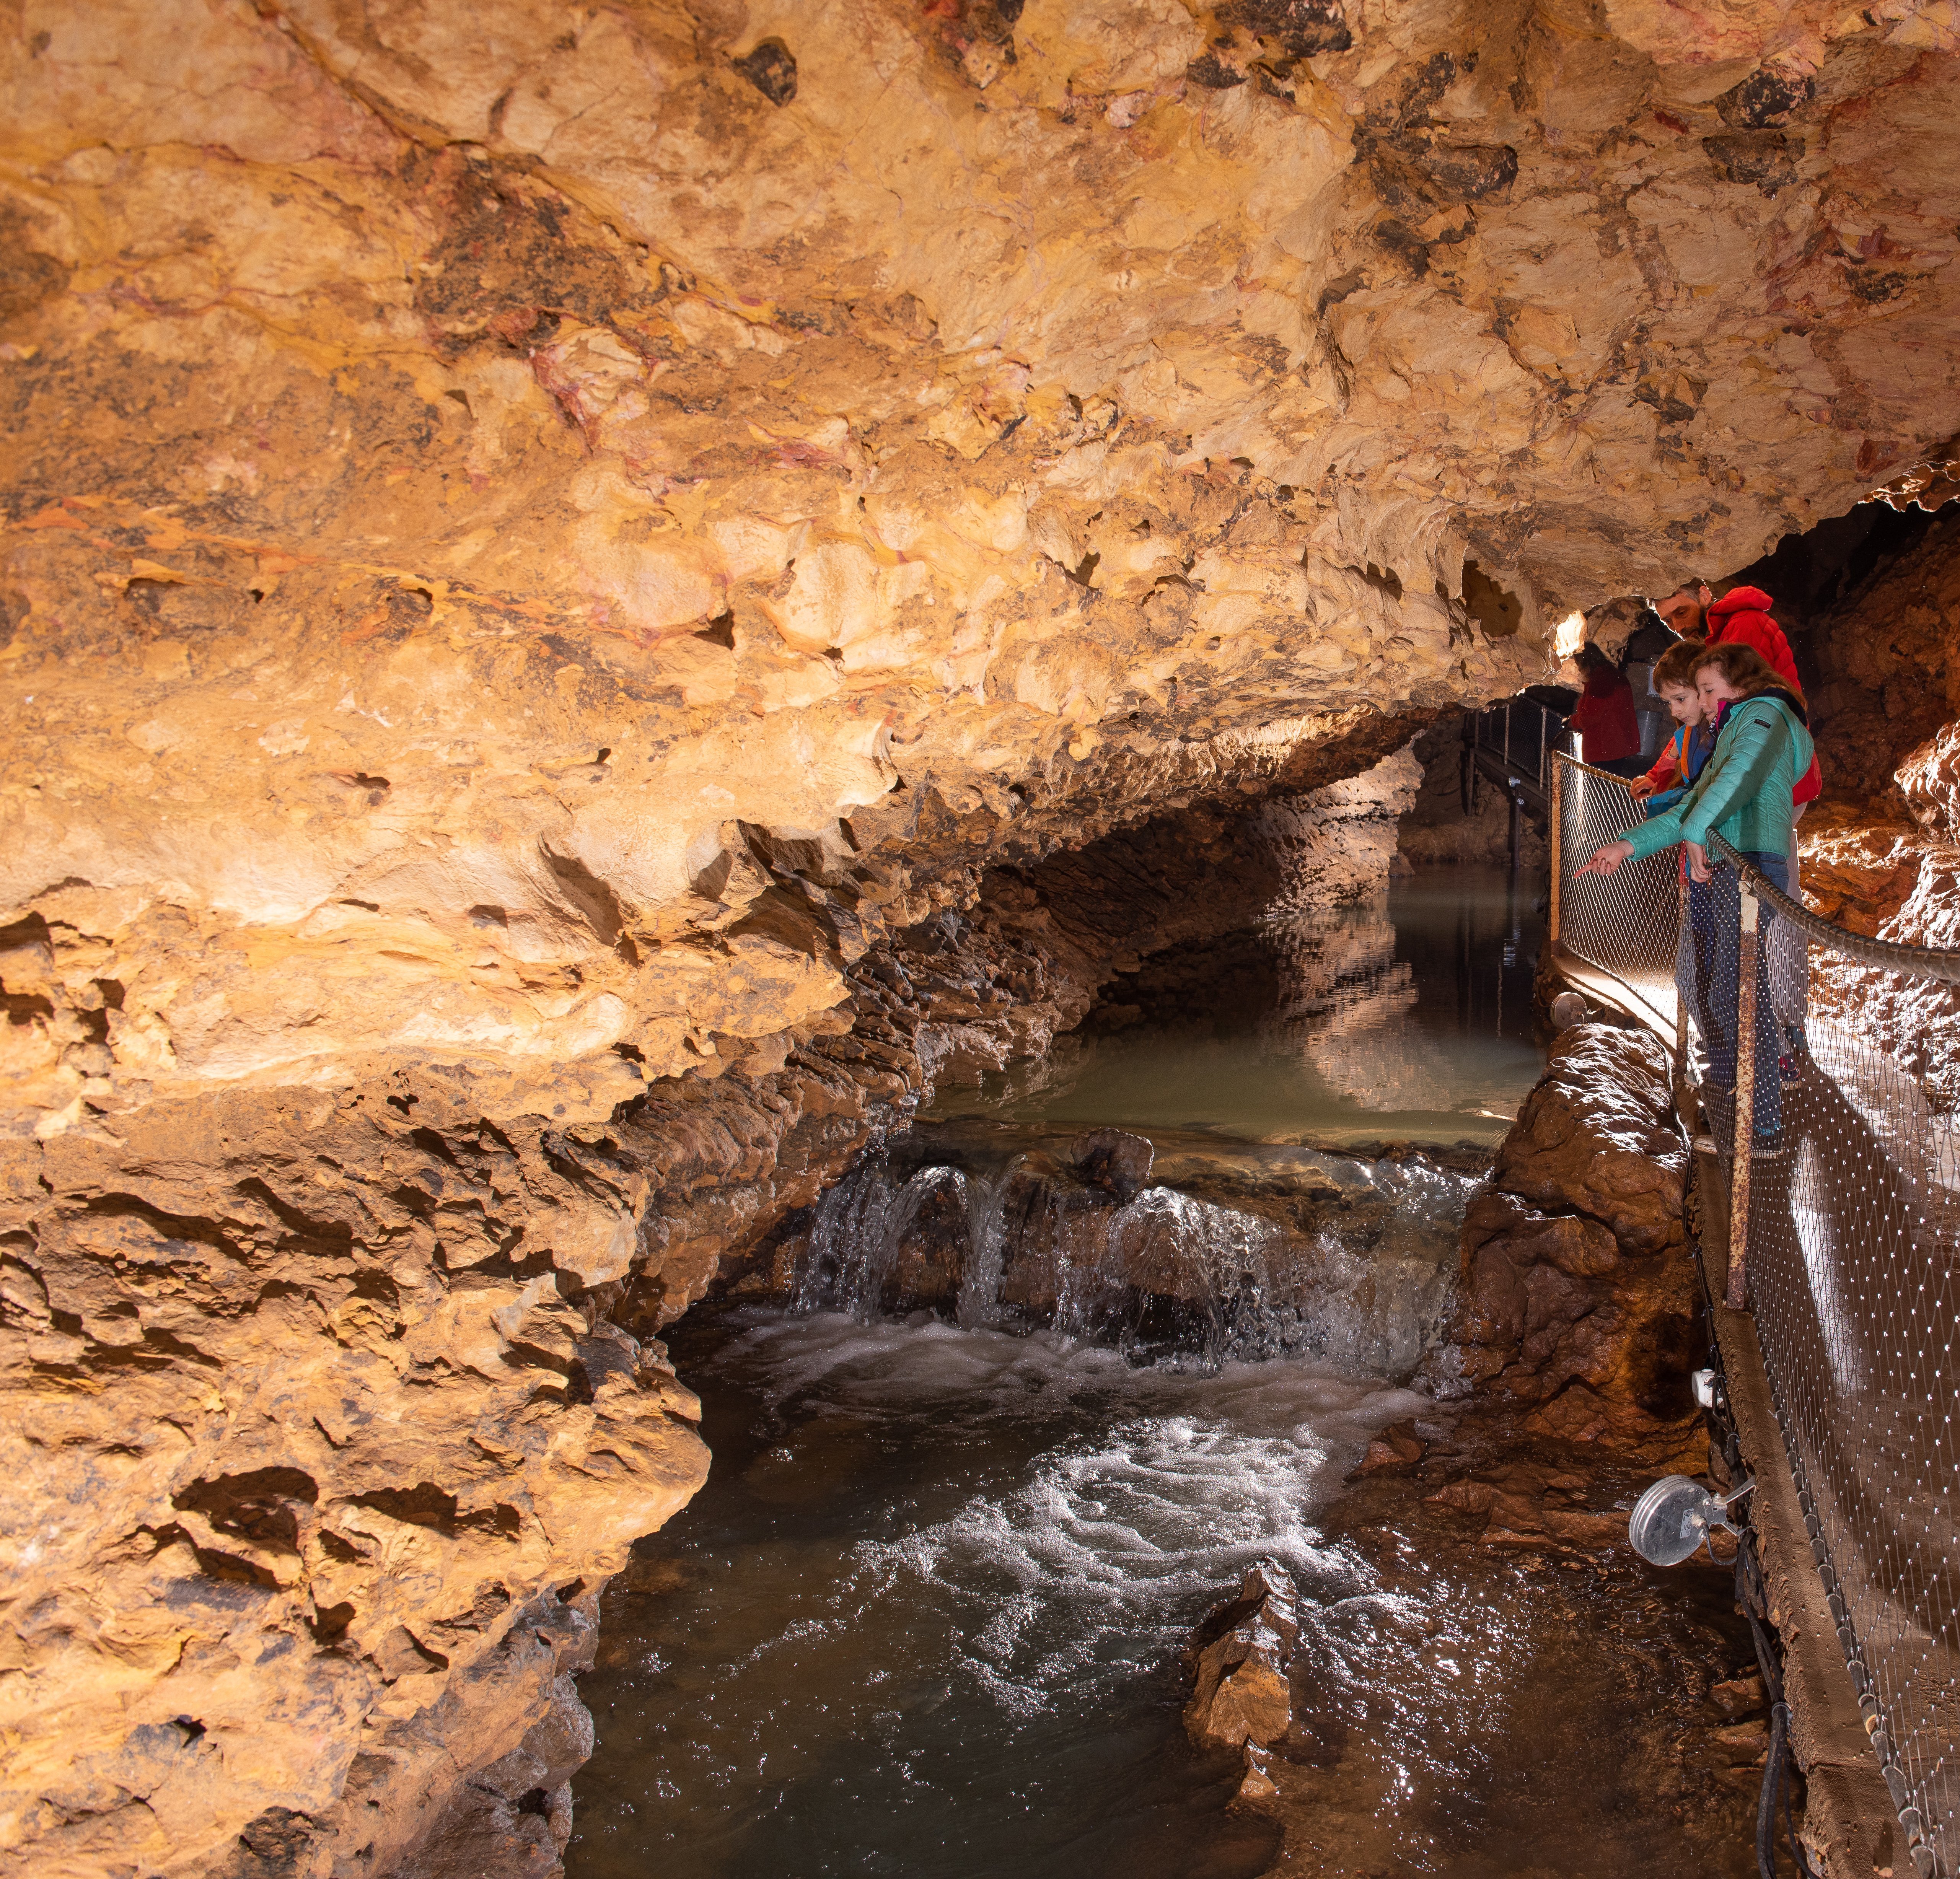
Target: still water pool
x,y
1406,1018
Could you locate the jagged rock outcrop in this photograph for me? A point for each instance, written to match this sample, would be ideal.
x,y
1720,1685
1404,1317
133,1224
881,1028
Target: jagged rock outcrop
x,y
346,1462
1242,1660
1881,851
1579,1289
550,560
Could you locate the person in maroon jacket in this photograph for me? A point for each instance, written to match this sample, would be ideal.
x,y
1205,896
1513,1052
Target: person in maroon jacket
x,y
1605,715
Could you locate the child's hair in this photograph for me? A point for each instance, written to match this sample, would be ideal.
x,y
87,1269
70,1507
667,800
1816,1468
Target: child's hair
x,y
1590,659
1750,673
1677,664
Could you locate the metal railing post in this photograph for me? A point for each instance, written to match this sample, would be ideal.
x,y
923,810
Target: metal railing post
x,y
1742,1136
1507,734
1558,834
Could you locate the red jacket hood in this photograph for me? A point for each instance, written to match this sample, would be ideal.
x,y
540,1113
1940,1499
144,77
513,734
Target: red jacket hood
x,y
1741,600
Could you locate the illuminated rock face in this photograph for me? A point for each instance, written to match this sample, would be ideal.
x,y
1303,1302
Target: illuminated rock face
x,y
538,544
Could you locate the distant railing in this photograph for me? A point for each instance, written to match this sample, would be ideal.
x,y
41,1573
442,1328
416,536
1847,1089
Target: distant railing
x,y
1521,735
1844,1189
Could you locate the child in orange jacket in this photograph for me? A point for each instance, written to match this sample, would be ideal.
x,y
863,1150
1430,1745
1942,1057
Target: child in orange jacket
x,y
1684,754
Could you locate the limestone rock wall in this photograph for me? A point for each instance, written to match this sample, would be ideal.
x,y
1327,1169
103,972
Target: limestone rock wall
x,y
1579,1292
1881,850
464,478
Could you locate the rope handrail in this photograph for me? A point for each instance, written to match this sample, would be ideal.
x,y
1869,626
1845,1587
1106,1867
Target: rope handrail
x,y
1888,955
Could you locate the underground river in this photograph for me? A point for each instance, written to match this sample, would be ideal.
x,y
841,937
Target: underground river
x,y
1011,1419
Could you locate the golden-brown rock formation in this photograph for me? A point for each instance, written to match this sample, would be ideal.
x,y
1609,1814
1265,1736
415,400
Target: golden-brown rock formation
x,y
1579,1292
539,541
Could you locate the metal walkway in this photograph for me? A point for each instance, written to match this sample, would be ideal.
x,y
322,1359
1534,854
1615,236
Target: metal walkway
x,y
1512,745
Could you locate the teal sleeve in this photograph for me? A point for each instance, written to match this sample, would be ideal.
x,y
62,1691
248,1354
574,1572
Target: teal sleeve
x,y
1746,756
1657,832
1754,744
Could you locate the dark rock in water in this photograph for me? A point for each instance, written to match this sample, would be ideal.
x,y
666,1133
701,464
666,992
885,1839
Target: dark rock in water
x,y
1398,1447
1114,1159
1739,1697
1243,1654
929,1253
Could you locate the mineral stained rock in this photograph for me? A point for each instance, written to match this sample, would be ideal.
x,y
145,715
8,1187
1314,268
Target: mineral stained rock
x,y
549,559
1114,1160
1579,1292
1241,1660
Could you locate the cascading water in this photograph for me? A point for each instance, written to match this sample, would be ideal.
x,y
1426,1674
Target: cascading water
x,y
1355,1270
987,1202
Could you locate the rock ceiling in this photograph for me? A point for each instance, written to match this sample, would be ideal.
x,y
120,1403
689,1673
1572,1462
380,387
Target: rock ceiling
x,y
461,472
538,537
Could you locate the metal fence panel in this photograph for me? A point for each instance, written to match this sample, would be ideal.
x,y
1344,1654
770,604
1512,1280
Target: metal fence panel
x,y
1622,924
1848,1222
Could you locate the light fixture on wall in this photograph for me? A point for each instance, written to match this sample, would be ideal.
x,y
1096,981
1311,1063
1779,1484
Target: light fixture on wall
x,y
1672,1518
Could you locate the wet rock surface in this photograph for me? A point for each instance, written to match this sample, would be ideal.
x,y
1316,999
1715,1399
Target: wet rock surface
x,y
1236,1251
1501,1544
1242,1659
1114,1160
1473,1524
1579,1296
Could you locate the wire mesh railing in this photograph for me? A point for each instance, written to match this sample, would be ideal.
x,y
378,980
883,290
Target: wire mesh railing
x,y
1793,1039
1610,923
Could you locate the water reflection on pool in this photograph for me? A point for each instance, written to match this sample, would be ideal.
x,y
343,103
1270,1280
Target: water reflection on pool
x,y
1406,1017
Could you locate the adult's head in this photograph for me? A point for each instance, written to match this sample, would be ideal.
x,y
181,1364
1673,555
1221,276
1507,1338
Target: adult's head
x,y
1685,611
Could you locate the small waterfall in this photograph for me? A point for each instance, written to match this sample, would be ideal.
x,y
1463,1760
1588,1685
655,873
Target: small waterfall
x,y
1357,1271
987,1216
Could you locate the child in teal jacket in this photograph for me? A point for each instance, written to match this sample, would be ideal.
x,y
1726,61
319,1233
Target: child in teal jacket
x,y
1763,747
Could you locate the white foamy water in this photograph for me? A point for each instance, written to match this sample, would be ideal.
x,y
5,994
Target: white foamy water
x,y
945,1574
1113,1527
